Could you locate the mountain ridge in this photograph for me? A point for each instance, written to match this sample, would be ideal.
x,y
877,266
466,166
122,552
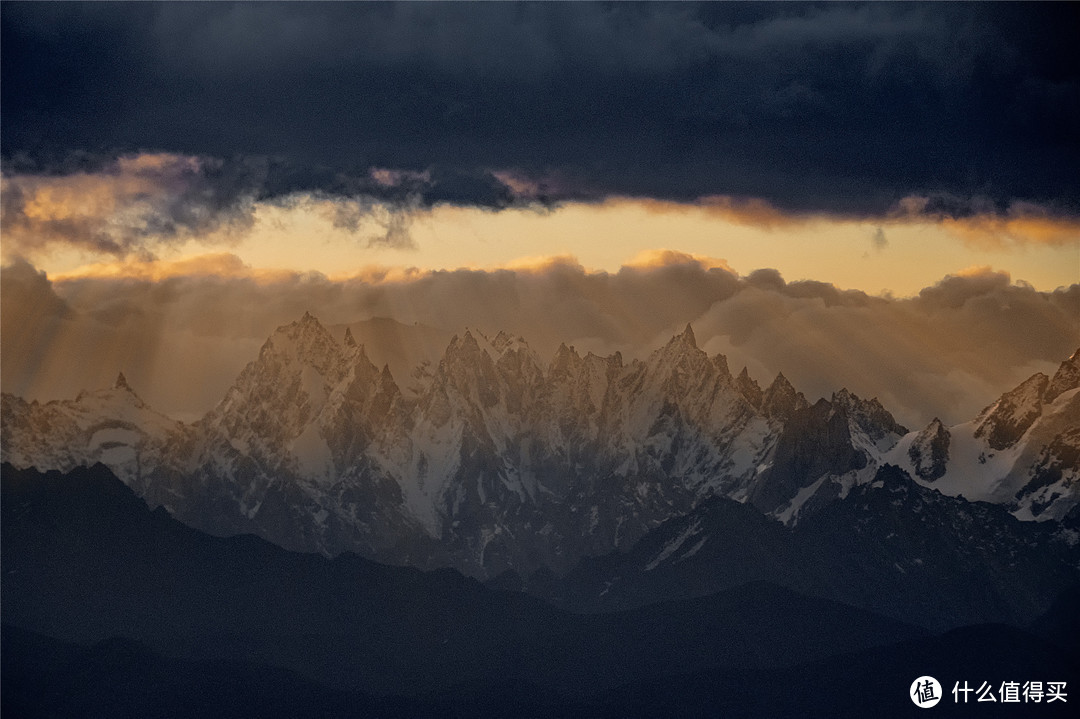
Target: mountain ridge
x,y
496,460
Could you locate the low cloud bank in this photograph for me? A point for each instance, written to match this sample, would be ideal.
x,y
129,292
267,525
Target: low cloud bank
x,y
182,337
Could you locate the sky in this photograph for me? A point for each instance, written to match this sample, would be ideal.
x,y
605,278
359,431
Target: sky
x,y
878,196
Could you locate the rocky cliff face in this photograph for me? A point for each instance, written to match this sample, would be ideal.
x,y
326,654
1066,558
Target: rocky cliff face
x,y
929,451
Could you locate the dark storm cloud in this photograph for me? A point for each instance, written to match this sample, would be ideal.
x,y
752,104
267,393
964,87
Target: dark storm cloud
x,y
844,109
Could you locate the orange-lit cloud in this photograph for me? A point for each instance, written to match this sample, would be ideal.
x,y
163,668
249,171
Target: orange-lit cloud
x,y
660,258
749,212
995,232
220,264
541,263
129,206
1023,223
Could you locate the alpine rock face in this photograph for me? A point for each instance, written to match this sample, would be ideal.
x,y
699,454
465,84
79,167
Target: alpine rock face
x,y
496,460
1022,451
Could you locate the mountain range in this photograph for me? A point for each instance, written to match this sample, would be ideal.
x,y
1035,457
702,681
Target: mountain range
x,y
494,461
502,536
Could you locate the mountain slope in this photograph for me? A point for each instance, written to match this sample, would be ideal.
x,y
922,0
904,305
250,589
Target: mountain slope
x,y
889,546
85,561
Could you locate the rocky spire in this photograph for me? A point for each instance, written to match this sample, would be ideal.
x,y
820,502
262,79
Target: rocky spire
x,y
688,336
929,451
748,388
781,400
122,383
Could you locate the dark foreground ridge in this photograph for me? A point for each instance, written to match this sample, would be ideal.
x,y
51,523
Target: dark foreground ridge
x,y
111,609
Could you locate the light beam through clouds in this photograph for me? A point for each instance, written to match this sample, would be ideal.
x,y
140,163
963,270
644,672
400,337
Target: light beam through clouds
x,y
182,331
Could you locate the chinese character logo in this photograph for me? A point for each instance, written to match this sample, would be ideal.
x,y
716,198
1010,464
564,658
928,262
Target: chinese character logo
x,y
925,692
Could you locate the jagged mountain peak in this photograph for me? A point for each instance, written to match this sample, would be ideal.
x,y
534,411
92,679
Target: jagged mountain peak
x,y
780,386
386,380
780,400
490,446
1005,421
688,337
504,341
565,362
119,393
869,414
720,362
749,388
463,346
307,343
684,340
564,354
680,351
1066,378
302,333
929,451
470,368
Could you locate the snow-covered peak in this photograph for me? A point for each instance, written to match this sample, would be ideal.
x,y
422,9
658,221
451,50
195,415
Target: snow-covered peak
x,y
119,395
1004,422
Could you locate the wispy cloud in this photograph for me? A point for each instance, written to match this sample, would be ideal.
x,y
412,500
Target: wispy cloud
x,y
878,241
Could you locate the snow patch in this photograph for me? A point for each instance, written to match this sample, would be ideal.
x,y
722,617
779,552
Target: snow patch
x,y
790,514
674,544
313,455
